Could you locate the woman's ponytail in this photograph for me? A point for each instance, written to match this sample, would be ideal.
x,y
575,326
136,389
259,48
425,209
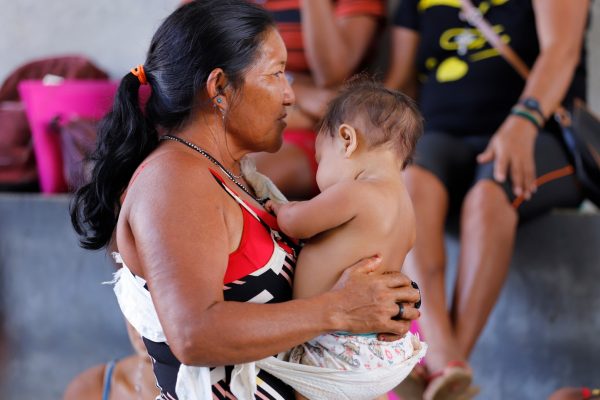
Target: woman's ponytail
x,y
194,40
125,138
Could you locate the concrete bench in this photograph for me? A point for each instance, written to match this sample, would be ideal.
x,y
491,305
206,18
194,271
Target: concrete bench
x,y
58,318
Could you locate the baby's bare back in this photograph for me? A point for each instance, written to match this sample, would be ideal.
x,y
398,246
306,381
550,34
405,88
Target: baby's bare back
x,y
383,226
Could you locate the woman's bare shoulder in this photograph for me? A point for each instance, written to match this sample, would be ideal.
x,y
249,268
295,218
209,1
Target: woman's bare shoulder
x,y
174,176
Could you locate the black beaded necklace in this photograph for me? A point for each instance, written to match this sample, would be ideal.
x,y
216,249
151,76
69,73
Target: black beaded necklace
x,y
229,174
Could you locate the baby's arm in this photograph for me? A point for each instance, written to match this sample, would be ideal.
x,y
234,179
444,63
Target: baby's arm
x,y
330,209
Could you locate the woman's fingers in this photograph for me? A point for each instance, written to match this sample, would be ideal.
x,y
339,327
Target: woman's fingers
x,y
353,273
529,173
365,266
406,294
487,155
500,167
399,328
516,176
396,279
409,312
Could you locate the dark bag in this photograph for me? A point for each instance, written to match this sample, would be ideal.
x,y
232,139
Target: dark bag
x,y
580,130
581,135
78,141
17,162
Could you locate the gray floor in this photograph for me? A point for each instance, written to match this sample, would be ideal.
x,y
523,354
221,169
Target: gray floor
x,y
59,319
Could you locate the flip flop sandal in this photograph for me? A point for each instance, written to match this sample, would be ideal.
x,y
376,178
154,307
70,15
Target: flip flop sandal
x,y
470,393
413,386
451,383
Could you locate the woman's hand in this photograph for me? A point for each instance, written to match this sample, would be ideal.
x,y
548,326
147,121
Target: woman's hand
x,y
310,99
512,148
367,299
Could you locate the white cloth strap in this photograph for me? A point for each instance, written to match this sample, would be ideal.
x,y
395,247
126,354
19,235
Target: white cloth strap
x,y
194,383
262,185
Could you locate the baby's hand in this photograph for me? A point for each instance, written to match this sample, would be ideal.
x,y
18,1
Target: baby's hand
x,y
273,206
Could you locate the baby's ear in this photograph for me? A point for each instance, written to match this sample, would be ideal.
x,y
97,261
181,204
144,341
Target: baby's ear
x,y
349,139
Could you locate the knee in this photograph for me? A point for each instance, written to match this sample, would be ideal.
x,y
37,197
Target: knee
x,y
424,187
487,202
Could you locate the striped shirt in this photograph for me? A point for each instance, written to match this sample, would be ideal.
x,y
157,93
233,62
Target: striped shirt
x,y
287,16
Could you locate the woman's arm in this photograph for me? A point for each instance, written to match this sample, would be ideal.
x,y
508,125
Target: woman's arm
x,y
185,226
334,46
560,25
402,71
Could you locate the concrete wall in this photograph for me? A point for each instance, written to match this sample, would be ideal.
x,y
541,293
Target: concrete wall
x,y
116,33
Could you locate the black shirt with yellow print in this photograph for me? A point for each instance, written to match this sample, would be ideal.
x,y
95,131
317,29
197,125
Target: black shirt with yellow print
x,y
467,88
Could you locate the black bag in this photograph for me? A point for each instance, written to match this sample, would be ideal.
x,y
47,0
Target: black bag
x,y
581,135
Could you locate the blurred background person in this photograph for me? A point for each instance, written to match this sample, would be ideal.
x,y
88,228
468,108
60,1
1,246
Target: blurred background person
x,y
479,155
327,42
125,379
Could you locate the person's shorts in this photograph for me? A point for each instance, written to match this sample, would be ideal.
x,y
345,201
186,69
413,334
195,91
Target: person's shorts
x,y
452,160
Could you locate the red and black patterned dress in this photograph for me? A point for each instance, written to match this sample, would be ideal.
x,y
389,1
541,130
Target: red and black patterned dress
x,y
259,271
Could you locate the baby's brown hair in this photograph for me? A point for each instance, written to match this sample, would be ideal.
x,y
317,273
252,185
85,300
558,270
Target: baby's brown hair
x,y
390,117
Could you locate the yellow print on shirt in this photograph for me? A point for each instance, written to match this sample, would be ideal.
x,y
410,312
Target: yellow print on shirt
x,y
463,41
483,7
469,44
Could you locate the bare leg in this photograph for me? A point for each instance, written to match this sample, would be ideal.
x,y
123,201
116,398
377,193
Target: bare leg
x,y
488,228
426,265
289,170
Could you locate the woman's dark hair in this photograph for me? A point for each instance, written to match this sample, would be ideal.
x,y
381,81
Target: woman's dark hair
x,y
388,117
194,40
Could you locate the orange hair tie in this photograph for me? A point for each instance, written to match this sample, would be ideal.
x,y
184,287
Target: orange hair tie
x,y
141,75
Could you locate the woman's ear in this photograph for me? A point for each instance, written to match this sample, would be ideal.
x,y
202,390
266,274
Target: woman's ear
x,y
215,87
349,138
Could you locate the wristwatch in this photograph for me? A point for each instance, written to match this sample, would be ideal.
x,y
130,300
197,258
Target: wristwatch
x,y
531,104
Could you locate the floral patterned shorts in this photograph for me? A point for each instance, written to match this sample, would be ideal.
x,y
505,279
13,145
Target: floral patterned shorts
x,y
350,352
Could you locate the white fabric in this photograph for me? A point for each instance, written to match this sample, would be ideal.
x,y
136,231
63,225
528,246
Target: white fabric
x,y
330,384
193,383
262,185
136,304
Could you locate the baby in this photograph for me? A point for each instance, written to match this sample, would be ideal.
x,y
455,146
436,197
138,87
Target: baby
x,y
365,140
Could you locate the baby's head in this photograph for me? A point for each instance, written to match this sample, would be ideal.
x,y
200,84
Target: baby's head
x,y
366,116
